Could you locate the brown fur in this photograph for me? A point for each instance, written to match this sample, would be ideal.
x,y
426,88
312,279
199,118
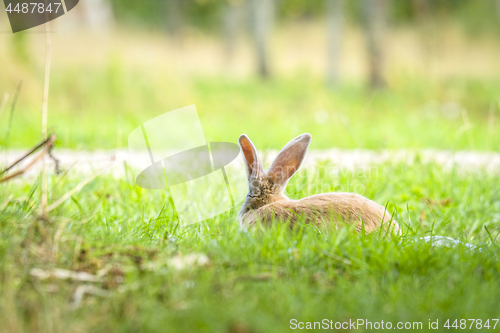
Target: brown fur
x,y
266,202
323,209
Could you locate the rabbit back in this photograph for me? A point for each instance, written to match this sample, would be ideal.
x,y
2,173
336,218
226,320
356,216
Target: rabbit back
x,y
331,209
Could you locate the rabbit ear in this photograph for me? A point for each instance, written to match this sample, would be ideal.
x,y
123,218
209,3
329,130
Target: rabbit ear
x,y
252,161
289,159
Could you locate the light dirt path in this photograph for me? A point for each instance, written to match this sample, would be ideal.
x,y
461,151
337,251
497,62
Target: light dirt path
x,y
87,162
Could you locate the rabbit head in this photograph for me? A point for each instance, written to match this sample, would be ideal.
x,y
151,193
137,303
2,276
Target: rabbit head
x,y
265,187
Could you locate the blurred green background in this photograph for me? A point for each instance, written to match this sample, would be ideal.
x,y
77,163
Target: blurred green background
x,y
355,74
372,74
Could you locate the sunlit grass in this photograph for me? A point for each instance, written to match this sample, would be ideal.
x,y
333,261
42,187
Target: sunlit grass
x,y
441,89
87,115
256,281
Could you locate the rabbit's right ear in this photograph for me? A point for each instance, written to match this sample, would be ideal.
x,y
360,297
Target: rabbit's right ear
x,y
252,161
289,159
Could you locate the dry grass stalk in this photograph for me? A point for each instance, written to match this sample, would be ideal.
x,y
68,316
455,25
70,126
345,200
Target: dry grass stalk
x,y
45,103
64,274
467,128
50,140
77,188
5,99
491,125
87,289
47,146
11,115
57,237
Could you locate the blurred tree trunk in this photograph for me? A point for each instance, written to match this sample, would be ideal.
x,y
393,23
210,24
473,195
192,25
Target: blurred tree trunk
x,y
334,10
374,20
262,16
98,14
174,18
421,9
232,17
427,32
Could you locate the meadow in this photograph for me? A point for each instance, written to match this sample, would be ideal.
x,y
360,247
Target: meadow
x,y
146,273
253,281
443,97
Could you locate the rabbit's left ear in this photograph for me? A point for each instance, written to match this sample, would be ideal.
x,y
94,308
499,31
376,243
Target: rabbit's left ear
x,y
289,159
252,161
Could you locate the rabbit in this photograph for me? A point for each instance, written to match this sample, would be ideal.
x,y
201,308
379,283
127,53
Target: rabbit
x,y
266,201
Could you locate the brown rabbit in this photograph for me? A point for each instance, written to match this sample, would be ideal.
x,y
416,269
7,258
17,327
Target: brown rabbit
x,y
266,201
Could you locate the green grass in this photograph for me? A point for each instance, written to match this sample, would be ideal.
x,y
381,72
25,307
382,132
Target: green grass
x,y
260,280
101,108
256,281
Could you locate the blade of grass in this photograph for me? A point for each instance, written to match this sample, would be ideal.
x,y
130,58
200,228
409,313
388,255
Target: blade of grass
x,y
383,219
489,234
5,99
408,226
77,188
491,125
11,114
434,218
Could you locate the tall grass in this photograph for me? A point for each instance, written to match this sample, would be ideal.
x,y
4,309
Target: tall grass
x,y
256,281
